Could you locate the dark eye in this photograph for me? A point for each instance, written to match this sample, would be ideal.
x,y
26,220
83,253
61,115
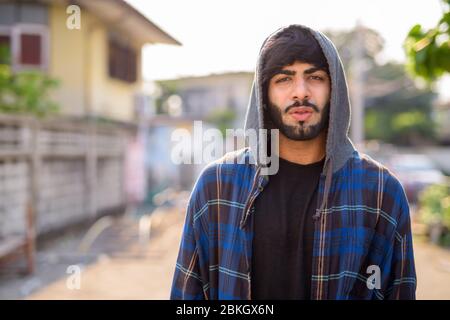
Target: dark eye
x,y
283,79
319,78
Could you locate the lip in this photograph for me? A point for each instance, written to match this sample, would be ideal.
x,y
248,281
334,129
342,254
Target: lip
x,y
301,113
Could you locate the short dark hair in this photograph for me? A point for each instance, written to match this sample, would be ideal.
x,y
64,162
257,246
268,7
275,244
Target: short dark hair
x,y
294,43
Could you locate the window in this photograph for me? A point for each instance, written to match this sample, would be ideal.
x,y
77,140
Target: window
x,y
122,62
25,45
13,12
24,34
29,47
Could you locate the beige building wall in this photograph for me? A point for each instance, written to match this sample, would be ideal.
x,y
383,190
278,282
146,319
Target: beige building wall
x,y
66,61
79,59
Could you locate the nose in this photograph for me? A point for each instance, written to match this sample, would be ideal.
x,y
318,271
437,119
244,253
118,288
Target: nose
x,y
301,90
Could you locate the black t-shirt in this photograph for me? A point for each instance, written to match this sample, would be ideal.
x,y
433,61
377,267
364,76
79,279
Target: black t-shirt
x,y
284,233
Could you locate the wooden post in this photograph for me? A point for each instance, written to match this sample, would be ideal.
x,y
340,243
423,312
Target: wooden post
x,y
30,240
35,169
91,170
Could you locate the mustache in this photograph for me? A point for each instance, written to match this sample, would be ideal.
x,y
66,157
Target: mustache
x,y
304,103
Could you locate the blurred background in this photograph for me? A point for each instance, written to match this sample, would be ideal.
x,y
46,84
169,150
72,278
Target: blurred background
x,y
92,205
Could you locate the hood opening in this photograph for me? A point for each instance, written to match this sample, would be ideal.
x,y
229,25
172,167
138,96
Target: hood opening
x,y
339,147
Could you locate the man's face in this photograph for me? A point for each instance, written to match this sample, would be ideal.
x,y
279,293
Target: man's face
x,y
299,100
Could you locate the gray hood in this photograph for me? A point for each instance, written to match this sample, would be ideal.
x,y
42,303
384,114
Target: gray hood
x,y
339,148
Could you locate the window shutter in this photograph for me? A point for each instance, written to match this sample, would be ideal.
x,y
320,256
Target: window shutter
x,y
30,49
122,62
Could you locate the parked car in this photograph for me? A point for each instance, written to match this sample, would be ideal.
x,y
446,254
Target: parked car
x,y
415,172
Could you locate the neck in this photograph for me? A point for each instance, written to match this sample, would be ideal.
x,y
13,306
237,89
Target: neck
x,y
303,152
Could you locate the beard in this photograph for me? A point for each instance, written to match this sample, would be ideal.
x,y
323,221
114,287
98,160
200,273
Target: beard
x,y
301,131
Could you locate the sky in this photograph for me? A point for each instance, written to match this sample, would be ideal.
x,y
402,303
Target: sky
x,y
221,36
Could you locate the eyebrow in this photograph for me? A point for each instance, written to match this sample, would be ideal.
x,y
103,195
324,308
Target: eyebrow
x,y
312,70
287,72
307,71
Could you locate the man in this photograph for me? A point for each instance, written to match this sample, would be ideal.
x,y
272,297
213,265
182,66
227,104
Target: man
x,y
332,223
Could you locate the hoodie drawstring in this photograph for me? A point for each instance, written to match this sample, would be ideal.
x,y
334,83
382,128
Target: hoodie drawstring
x,y
328,175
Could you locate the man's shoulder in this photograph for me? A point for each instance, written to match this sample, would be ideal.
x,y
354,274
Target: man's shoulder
x,y
373,170
230,166
230,161
368,164
240,156
221,178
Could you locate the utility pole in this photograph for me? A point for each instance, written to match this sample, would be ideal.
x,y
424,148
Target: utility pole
x,y
357,70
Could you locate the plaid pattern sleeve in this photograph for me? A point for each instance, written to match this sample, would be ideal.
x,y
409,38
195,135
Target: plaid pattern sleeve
x,y
402,277
187,282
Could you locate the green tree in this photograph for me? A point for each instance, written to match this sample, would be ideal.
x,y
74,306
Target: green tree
x,y
396,110
428,51
24,92
167,88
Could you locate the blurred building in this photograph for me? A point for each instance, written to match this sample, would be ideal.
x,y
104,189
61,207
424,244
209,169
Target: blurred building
x,y
212,99
98,65
67,170
203,95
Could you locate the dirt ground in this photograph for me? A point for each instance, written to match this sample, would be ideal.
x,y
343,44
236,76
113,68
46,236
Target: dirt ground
x,y
130,275
433,271
146,271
